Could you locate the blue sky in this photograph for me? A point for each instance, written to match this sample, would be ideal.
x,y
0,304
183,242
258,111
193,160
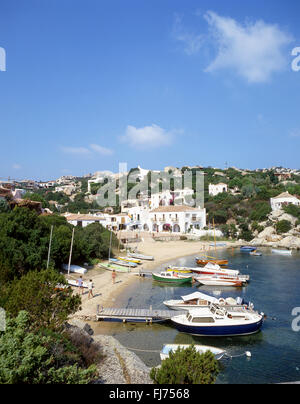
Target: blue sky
x,y
91,83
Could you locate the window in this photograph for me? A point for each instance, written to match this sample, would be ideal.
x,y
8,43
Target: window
x,y
203,320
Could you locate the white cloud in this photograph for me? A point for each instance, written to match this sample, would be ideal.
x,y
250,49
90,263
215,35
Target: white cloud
x,y
295,133
191,41
101,150
254,50
76,150
149,136
16,167
86,151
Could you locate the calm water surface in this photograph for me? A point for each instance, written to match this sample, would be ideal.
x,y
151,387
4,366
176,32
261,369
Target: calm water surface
x,y
274,289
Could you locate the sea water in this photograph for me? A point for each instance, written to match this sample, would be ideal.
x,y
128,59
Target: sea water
x,y
274,289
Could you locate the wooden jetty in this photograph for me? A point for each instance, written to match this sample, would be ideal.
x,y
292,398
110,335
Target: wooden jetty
x,y
126,315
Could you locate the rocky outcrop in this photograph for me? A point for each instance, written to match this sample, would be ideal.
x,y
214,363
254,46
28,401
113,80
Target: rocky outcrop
x,y
269,238
118,365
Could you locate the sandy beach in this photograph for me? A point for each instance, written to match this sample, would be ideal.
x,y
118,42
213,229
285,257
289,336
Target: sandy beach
x,y
106,293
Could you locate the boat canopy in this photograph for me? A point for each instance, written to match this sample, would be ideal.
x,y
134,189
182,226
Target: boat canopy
x,y
199,295
211,265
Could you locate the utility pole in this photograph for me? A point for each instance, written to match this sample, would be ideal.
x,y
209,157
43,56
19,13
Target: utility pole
x,y
71,249
109,246
49,250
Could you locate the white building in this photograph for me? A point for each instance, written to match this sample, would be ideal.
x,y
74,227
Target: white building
x,y
84,220
284,199
177,219
215,189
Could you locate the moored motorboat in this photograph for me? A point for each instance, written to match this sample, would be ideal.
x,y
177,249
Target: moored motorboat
x,y
282,252
202,261
216,321
180,270
247,248
168,348
171,277
198,299
214,269
219,280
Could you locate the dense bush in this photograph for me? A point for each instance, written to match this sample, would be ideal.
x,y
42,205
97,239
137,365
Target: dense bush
x,y
24,242
283,226
44,295
186,366
28,357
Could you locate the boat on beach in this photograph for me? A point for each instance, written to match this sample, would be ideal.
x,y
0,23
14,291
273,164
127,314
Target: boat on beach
x,y
168,348
128,259
216,321
113,267
171,277
141,256
198,299
122,263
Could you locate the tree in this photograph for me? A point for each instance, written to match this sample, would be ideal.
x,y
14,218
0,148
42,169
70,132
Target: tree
x,y
28,357
4,207
44,295
187,366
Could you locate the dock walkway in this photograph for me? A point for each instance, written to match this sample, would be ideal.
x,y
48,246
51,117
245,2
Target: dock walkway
x,y
135,315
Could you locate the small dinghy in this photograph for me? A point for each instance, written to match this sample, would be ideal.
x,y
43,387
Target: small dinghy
x,y
281,252
167,348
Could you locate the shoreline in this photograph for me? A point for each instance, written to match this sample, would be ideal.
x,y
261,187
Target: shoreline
x,y
107,294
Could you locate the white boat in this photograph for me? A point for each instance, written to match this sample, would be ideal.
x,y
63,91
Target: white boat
x,y
282,252
214,269
73,282
216,321
75,268
167,348
198,299
141,256
256,253
217,280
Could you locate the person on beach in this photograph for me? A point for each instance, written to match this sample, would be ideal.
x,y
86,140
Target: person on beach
x,y
80,285
90,287
113,275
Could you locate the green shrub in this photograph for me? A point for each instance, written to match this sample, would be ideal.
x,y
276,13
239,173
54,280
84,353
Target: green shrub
x,y
187,366
28,357
283,226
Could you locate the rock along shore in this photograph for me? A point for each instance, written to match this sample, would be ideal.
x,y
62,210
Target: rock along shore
x,y
119,365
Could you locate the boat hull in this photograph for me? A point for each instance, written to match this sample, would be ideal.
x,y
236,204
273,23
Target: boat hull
x,y
165,352
220,330
221,263
174,281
